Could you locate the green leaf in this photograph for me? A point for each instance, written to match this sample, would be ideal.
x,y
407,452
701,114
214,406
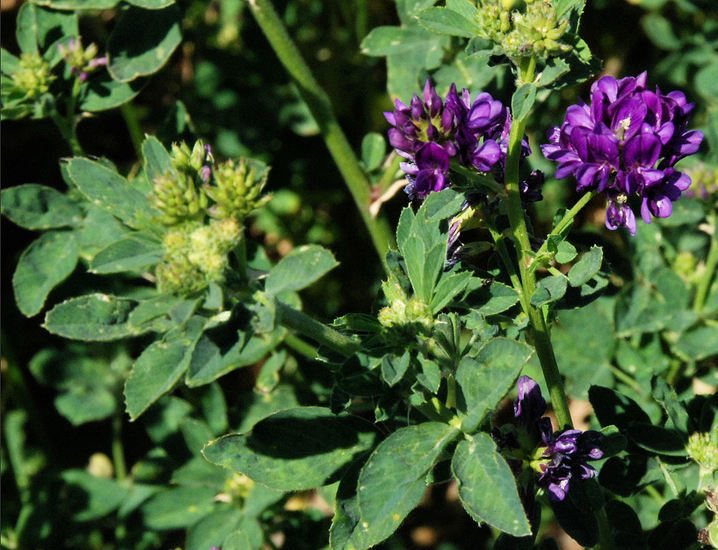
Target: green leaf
x,y
299,269
133,253
584,342
393,480
38,29
43,265
160,366
393,368
659,30
98,230
467,8
487,487
523,100
373,150
151,4
440,206
612,407
383,41
110,191
93,318
178,507
430,375
157,159
134,54
9,63
209,362
34,206
483,380
86,403
105,93
549,289
657,439
562,7
446,21
448,287
495,298
238,540
565,252
295,449
213,529
91,497
586,267
699,343
555,68
76,5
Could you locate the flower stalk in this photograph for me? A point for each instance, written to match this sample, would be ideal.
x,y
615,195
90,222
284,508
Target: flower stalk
x,y
319,105
319,332
539,328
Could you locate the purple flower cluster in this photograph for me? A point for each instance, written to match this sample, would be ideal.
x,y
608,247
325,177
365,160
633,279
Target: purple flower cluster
x,y
430,132
557,457
626,142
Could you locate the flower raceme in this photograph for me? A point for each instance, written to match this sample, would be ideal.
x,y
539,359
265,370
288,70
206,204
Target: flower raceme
x,y
430,132
559,457
626,142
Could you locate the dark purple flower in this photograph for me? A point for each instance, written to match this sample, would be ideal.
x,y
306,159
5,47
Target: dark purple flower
x,y
556,457
474,133
564,458
626,142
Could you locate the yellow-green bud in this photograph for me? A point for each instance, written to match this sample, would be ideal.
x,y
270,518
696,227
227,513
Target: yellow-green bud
x,y
703,449
237,188
177,197
33,78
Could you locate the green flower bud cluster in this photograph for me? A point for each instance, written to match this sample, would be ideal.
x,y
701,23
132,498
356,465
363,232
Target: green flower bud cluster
x,y
237,188
178,193
196,255
82,61
404,317
704,182
703,449
33,78
203,206
533,31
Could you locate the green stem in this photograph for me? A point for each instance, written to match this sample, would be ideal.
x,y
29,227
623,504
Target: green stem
x,y
486,182
319,332
605,533
67,130
711,262
565,222
318,103
129,114
389,175
539,329
508,264
300,346
118,452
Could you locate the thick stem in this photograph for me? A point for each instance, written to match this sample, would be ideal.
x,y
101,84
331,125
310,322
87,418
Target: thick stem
x,y
605,532
321,109
711,262
129,114
67,130
118,452
319,332
539,329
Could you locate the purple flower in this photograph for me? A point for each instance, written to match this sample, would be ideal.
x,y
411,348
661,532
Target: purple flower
x,y
556,457
430,132
564,458
625,143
